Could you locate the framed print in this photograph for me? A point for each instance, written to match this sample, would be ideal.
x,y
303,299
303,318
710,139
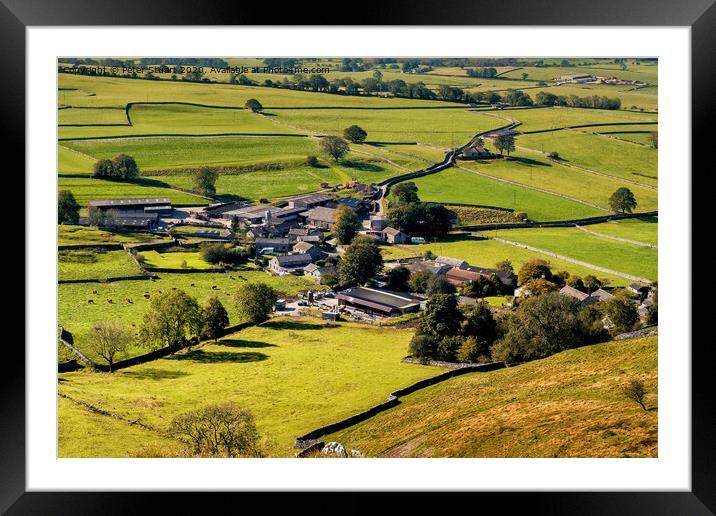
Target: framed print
x,y
380,257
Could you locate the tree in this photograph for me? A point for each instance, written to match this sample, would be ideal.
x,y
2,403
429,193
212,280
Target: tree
x,y
334,147
347,224
439,284
534,268
103,168
635,391
654,139
539,286
255,301
312,161
204,180
544,325
406,192
441,318
361,262
254,106
505,266
215,252
219,430
124,167
422,346
355,134
591,283
419,281
424,219
621,312
398,278
108,339
480,326
68,209
524,76
622,200
214,319
505,143
170,317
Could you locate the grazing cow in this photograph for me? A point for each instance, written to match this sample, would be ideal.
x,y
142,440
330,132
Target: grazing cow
x,y
91,301
192,284
146,296
94,291
109,300
130,301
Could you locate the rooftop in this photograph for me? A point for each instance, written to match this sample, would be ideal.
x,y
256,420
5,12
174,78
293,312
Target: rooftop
x,y
293,259
322,214
379,298
118,203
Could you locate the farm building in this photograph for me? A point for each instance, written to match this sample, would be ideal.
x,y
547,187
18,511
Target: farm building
x,y
379,301
459,277
309,201
296,234
505,277
321,217
452,262
394,236
280,245
375,223
476,152
573,292
289,264
138,206
586,299
578,78
309,249
358,205
317,273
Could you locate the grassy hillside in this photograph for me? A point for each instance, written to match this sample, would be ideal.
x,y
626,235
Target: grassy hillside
x,y
293,374
567,405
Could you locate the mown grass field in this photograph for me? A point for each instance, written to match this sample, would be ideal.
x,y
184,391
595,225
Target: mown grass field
x,y
619,256
113,116
455,185
70,234
447,127
533,169
88,189
567,405
112,300
175,260
486,253
606,155
641,230
294,374
539,119
71,162
630,97
95,263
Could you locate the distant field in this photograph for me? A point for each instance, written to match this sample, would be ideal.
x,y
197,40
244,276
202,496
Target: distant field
x,y
163,153
71,162
486,253
639,137
607,155
619,256
539,119
449,127
459,186
628,95
85,190
77,315
641,230
567,405
118,92
91,264
91,116
175,260
643,73
181,119
68,234
271,369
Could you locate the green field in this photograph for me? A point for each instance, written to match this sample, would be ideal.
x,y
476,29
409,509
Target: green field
x,y
567,405
533,169
619,256
175,260
294,374
455,185
644,72
95,263
88,189
113,116
69,234
630,96
449,127
540,119
606,155
71,162
642,230
486,253
124,300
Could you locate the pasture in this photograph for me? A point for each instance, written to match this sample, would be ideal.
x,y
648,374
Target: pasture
x,y
647,73
641,230
294,375
125,301
455,185
612,254
567,405
175,260
72,162
95,264
88,189
487,253
606,155
533,169
544,118
71,234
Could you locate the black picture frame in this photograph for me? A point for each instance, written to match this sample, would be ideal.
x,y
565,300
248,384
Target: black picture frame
x,y
700,15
